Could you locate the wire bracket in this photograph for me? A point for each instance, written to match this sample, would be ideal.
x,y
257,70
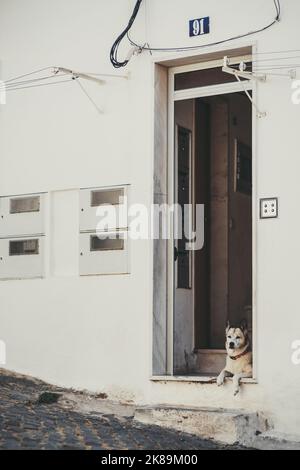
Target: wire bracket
x,y
133,51
75,75
241,73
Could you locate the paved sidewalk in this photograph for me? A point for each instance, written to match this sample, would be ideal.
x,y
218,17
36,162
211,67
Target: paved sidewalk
x,y
76,421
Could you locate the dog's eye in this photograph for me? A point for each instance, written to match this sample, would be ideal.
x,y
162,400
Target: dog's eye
x,y
229,337
238,337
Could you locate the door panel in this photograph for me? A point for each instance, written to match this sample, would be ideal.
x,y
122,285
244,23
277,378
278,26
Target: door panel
x,y
183,258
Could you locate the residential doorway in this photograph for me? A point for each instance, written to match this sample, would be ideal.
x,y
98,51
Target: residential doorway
x,y
213,167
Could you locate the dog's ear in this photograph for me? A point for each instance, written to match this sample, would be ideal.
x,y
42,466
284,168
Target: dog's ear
x,y
227,326
244,325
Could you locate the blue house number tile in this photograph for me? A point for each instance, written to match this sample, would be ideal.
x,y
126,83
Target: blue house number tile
x,y
199,26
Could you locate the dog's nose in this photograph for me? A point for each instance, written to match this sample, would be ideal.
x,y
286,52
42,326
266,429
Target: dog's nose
x,y
231,345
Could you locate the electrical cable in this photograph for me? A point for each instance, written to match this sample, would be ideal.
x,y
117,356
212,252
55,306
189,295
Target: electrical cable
x,y
277,6
274,60
114,50
115,47
275,66
275,74
290,66
290,51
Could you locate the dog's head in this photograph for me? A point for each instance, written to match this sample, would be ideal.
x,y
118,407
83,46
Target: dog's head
x,y
236,336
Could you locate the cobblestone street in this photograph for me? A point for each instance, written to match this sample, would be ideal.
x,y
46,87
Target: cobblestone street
x,y
26,423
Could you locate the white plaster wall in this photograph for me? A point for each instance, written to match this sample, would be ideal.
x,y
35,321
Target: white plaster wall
x,y
95,333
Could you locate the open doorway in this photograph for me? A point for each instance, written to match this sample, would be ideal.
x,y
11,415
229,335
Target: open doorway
x,y
213,167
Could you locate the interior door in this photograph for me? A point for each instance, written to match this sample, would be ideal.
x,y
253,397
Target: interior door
x,y
183,258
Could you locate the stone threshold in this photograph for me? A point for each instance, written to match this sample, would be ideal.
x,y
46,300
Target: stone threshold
x,y
195,378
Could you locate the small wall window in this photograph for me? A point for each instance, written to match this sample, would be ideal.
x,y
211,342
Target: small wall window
x,y
23,247
107,197
205,77
24,204
106,244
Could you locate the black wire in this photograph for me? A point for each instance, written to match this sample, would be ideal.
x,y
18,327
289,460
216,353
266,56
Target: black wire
x,y
187,48
114,50
278,8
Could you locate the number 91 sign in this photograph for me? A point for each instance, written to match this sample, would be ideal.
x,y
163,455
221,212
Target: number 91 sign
x,y
199,26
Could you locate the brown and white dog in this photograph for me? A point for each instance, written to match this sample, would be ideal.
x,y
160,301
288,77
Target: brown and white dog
x,y
239,356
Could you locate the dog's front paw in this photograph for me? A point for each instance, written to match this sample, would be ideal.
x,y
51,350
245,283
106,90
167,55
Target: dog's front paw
x,y
220,380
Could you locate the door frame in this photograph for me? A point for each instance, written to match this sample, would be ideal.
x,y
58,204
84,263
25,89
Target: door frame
x,y
193,93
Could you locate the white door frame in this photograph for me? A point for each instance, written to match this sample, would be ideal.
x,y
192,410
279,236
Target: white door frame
x,y
201,92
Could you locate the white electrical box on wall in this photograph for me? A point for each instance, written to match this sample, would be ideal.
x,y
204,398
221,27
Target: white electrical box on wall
x,y
269,208
22,215
103,239
22,230
21,258
107,204
99,255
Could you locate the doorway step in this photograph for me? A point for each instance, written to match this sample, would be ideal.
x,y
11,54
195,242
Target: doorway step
x,y
224,426
272,440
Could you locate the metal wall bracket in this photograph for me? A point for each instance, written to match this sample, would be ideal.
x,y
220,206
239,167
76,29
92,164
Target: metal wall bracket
x,y
75,75
241,73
